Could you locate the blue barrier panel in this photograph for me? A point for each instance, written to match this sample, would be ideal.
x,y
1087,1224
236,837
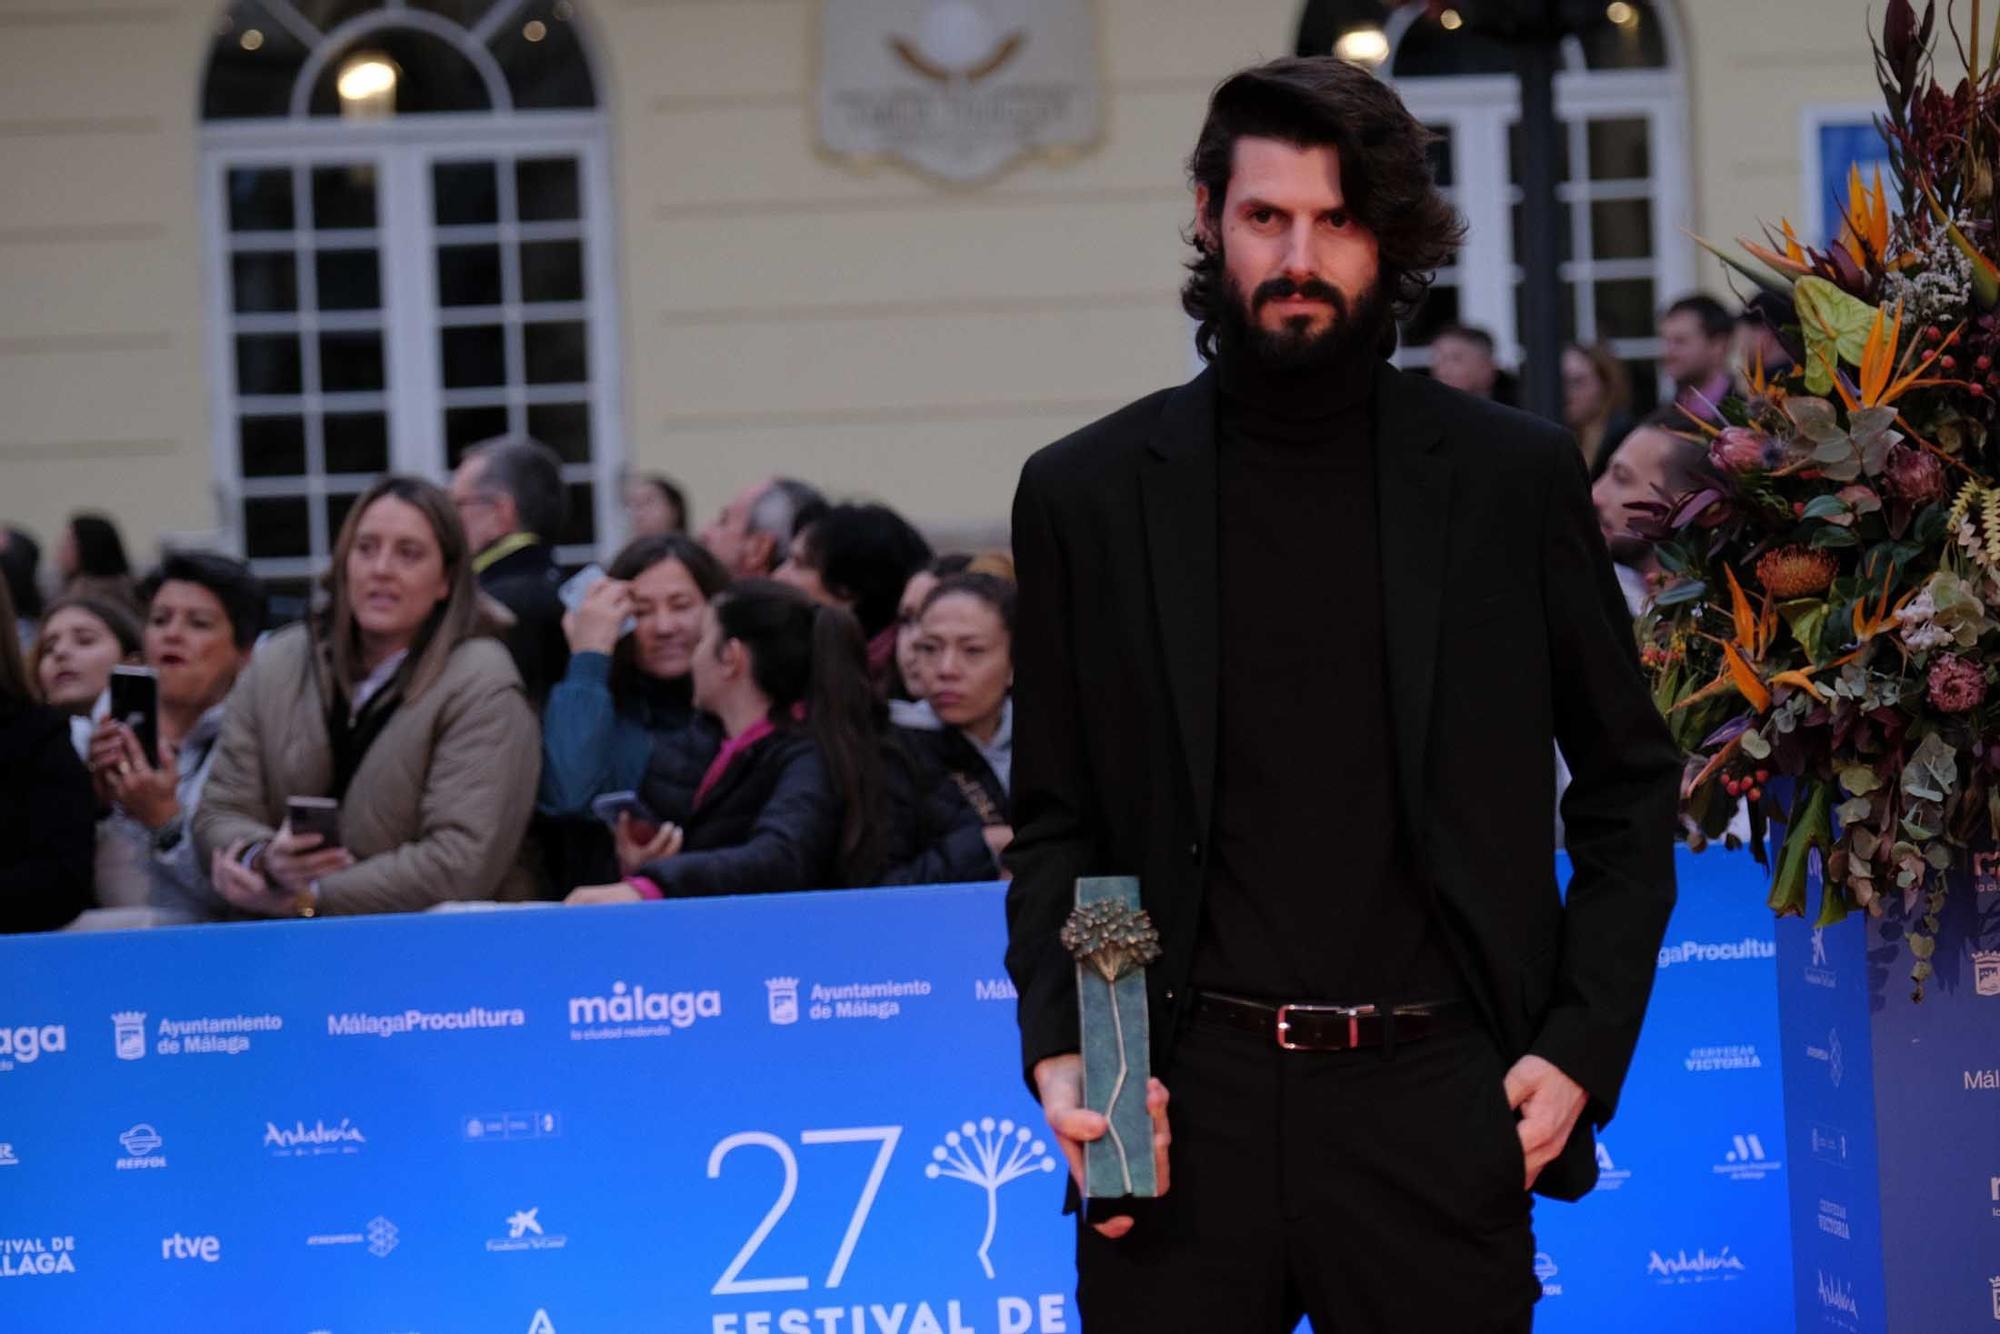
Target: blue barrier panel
x,y
1894,1112
773,1115
1688,1228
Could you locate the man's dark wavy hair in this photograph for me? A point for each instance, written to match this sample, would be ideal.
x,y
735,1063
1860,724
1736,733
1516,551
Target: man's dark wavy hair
x,y
1316,101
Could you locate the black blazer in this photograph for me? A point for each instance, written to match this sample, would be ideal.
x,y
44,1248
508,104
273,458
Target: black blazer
x,y
527,583
1506,635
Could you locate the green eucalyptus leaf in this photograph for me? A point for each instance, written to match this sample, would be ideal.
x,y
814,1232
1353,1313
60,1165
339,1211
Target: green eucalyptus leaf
x,y
1869,425
1921,820
1690,590
1932,772
1860,780
1816,419
1854,808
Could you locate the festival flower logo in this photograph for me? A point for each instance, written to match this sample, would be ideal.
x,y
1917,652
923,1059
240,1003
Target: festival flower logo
x,y
989,1155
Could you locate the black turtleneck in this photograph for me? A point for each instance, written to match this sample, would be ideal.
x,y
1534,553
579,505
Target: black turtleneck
x,y
1310,896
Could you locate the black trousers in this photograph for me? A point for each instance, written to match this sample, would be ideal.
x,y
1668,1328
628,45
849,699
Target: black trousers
x,y
1373,1194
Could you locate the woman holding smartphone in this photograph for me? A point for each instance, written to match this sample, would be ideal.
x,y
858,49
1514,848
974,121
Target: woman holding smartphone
x,y
397,702
83,638
628,684
203,614
792,780
776,792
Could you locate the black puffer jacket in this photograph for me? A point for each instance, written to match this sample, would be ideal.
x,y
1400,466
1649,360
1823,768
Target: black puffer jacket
x,y
934,835
960,763
773,820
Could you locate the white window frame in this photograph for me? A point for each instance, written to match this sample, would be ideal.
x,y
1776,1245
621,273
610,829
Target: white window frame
x,y
1478,109
413,397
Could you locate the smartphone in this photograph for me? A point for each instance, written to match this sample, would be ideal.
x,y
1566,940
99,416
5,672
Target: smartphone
x,y
577,587
135,702
614,804
315,815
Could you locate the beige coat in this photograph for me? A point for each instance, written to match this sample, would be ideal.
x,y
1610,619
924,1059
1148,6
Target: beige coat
x,y
439,805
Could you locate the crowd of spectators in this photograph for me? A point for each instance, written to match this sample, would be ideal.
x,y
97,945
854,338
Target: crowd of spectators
x,y
458,718
802,696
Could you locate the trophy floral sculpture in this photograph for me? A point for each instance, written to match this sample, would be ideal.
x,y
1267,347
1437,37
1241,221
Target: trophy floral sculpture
x,y
1113,941
1831,594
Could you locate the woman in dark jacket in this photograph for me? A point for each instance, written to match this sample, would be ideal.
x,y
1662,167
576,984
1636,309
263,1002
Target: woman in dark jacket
x,y
788,787
965,637
934,836
628,685
48,812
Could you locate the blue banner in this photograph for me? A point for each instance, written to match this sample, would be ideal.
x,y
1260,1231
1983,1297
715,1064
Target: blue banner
x,y
1840,146
1688,1228
1894,1112
793,1114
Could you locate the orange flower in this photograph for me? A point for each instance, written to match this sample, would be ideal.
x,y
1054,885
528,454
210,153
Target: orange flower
x,y
1795,572
1868,624
1879,383
1864,223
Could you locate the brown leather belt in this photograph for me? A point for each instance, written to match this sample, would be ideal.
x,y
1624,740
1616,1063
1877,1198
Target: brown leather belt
x,y
1333,1027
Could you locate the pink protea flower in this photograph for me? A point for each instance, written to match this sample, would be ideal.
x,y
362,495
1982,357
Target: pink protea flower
x,y
1739,450
1956,686
1913,475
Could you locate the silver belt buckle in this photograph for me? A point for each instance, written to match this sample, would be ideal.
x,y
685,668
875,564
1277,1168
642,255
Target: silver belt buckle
x,y
1353,1014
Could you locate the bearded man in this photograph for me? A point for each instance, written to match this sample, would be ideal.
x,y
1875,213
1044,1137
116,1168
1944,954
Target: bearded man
x,y
1296,644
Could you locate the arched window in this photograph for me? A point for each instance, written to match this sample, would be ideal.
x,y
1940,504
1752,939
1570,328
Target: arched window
x,y
1622,171
408,213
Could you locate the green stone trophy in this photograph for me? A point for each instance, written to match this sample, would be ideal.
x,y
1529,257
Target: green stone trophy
x,y
1112,940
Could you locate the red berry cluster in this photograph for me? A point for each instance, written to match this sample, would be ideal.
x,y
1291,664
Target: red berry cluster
x,y
1654,658
1973,361
1750,785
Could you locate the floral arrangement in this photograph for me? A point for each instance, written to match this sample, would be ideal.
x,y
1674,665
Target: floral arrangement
x,y
1831,600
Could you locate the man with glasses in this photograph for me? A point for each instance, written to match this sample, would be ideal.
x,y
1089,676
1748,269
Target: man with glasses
x,y
509,495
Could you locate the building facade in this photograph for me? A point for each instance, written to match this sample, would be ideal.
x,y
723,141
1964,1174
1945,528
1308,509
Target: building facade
x,y
232,290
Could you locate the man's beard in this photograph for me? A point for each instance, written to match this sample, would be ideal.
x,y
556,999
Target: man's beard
x,y
1354,331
